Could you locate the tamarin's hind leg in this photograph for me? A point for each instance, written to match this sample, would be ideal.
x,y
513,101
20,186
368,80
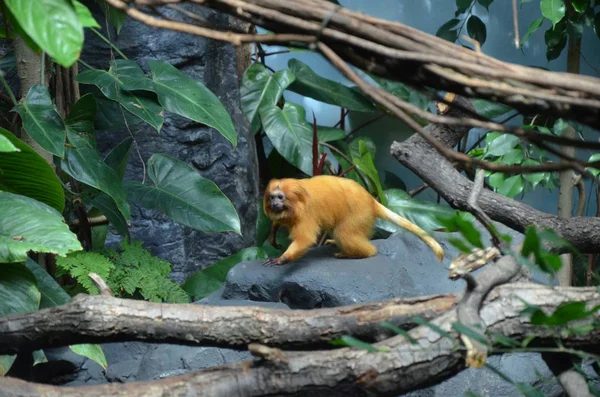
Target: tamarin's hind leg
x,y
353,239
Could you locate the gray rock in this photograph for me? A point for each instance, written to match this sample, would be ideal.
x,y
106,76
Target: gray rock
x,y
234,170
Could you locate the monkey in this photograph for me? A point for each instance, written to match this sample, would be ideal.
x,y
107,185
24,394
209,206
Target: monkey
x,y
339,206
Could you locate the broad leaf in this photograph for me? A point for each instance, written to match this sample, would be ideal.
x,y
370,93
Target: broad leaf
x,y
110,115
18,289
310,84
25,172
533,27
261,89
141,105
6,145
41,120
502,144
463,5
211,278
512,186
423,213
52,294
485,3
131,76
82,115
594,158
347,340
290,134
447,32
85,16
554,10
489,109
182,95
533,178
118,157
84,164
29,225
184,196
109,209
476,29
18,294
53,25
364,162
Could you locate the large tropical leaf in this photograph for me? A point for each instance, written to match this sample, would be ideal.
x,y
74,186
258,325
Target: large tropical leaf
x,y
6,145
310,84
41,120
29,225
184,196
53,25
182,95
292,135
83,163
422,213
26,172
261,88
18,294
85,16
211,278
111,84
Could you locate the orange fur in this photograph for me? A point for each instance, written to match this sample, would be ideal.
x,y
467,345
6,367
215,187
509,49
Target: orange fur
x,y
337,205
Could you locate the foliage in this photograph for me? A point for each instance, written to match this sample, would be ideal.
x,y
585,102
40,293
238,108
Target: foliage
x,y
130,273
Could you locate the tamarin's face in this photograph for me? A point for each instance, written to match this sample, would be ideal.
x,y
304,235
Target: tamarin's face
x,y
277,200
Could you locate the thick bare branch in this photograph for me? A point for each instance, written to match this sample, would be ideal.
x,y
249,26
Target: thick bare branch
x,y
401,368
96,319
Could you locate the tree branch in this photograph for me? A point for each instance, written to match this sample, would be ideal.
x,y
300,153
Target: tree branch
x,y
401,368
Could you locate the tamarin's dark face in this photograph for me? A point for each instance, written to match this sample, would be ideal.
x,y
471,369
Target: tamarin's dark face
x,y
277,200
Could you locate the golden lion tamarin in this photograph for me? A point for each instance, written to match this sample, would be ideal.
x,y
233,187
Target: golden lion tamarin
x,y
337,205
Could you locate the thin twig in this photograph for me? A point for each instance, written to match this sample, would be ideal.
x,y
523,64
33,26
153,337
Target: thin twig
x,y
478,212
343,155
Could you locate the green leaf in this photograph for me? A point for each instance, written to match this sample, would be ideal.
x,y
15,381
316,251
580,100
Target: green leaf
x,y
497,179
84,164
533,27
533,178
310,84
261,89
111,86
564,314
211,278
560,127
593,158
18,294
580,5
290,134
476,29
502,144
554,10
555,43
6,146
463,5
347,340
422,213
53,25
51,293
489,109
184,196
115,16
41,120
18,290
182,95
446,31
118,157
85,16
6,361
93,352
514,156
29,225
512,186
25,172
82,115
109,209
485,3
471,332
79,265
364,162
131,76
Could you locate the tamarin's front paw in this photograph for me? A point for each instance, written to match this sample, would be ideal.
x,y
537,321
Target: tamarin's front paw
x,y
273,261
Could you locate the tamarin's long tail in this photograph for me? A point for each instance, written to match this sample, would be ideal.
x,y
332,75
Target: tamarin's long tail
x,y
390,216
